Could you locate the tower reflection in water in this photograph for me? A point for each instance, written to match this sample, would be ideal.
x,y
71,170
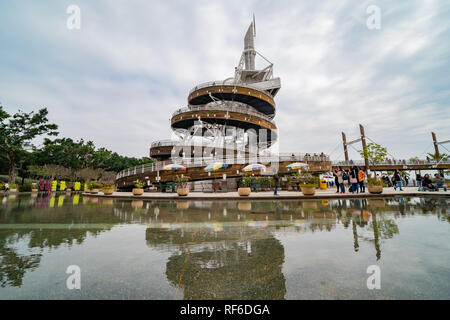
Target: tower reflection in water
x,y
217,250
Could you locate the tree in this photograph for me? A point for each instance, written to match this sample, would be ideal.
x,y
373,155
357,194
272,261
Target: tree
x,y
17,133
442,156
374,152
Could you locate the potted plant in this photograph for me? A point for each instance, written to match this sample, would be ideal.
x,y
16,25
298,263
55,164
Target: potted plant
x,y
86,187
13,187
95,187
308,184
182,185
138,189
108,190
34,187
244,186
374,185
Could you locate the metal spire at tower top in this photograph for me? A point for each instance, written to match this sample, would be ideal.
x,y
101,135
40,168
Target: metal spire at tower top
x,y
249,47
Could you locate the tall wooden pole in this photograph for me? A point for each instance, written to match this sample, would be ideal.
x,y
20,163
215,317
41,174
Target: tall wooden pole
x,y
363,141
436,147
344,141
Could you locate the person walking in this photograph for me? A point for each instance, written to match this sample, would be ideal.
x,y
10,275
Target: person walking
x,y
361,178
397,180
276,184
340,176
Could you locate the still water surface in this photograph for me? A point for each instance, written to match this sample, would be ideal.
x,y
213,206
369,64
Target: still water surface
x,y
223,249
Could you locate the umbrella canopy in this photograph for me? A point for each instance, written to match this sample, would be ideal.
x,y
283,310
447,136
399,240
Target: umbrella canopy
x,y
254,167
297,165
174,166
216,166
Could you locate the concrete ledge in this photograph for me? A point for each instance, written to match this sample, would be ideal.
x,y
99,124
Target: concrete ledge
x,y
268,195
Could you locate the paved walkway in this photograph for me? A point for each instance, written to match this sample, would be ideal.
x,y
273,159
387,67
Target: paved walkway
x,y
268,195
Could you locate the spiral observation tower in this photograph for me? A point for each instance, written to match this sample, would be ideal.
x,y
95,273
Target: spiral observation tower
x,y
229,120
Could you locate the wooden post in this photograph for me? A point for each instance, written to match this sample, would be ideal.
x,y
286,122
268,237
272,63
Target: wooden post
x,y
344,141
363,141
436,147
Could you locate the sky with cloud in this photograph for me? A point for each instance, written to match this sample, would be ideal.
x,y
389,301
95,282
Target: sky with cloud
x,y
117,80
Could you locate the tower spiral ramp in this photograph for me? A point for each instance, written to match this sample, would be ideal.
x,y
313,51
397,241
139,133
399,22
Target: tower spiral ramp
x,y
234,115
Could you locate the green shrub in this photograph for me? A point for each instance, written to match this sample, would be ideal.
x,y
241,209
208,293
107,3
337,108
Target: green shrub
x,y
374,182
139,184
26,188
245,182
181,182
95,185
12,186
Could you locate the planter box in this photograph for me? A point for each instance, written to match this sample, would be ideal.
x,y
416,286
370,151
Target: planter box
x,y
138,192
375,189
183,191
244,191
108,192
308,191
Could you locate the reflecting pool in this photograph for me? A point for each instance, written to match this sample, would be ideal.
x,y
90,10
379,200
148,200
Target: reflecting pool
x,y
223,249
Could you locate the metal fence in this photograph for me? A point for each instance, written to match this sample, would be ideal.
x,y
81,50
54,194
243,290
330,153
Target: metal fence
x,y
223,83
239,108
204,161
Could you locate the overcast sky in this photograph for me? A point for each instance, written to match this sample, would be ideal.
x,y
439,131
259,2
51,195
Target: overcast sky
x,y
117,80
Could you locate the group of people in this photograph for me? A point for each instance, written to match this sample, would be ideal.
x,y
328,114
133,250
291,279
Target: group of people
x,y
356,180
426,184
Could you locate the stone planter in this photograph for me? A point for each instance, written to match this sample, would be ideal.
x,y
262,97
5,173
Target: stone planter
x,y
183,191
138,192
34,190
94,191
243,192
375,189
12,190
308,191
87,191
108,192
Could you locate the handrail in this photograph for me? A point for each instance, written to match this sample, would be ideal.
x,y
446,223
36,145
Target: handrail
x,y
390,162
240,108
204,161
222,83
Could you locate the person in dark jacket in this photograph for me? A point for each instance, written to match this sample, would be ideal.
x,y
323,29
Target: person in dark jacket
x,y
336,181
276,184
427,183
397,179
